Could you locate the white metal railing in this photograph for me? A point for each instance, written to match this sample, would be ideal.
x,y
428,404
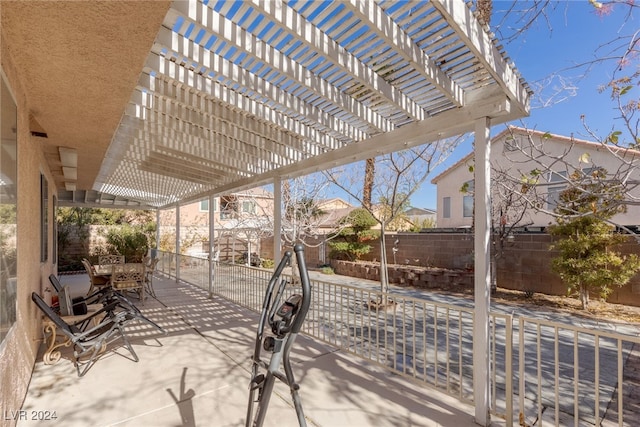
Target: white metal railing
x,y
570,375
563,374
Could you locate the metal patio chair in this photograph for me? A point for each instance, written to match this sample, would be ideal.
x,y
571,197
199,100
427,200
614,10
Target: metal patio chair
x,y
96,282
129,277
112,301
90,343
150,268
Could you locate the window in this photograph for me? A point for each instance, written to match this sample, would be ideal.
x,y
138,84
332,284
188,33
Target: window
x,y
8,201
467,201
204,205
553,193
467,206
511,143
515,143
249,206
553,197
446,207
228,207
558,176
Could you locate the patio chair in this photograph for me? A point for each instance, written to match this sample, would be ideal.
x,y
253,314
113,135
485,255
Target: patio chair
x,y
90,343
96,282
110,259
111,300
150,268
129,277
100,298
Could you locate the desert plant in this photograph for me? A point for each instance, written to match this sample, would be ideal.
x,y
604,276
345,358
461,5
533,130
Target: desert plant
x,y
587,261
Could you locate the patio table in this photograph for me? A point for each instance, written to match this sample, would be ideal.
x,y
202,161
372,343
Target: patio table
x,y
106,270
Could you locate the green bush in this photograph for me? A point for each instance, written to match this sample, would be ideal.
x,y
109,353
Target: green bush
x,y
132,242
327,270
268,263
350,243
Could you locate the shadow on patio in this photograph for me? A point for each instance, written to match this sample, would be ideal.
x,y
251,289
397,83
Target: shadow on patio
x,y
198,375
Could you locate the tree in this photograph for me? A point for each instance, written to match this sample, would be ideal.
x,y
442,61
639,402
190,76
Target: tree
x,y
303,216
397,177
369,178
350,243
586,261
509,210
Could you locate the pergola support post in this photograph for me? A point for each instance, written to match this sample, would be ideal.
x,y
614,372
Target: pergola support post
x,y
212,248
177,242
482,277
157,230
277,219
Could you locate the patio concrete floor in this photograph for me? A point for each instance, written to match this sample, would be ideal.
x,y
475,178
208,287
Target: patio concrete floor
x,y
198,375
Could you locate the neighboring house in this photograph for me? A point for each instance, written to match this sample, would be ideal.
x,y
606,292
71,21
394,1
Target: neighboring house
x,y
241,220
419,216
333,210
455,203
247,204
236,223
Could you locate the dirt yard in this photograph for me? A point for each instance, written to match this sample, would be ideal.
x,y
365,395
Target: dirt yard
x,y
598,310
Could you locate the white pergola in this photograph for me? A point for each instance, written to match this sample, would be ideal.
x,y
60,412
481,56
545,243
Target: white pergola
x,y
233,95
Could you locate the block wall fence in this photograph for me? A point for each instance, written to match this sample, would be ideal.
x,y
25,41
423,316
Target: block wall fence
x,y
525,264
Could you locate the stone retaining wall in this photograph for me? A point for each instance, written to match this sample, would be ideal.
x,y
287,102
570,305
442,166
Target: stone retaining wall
x,y
417,277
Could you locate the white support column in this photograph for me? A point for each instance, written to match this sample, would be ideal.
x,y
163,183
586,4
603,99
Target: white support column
x,y
277,220
177,242
157,231
212,248
482,283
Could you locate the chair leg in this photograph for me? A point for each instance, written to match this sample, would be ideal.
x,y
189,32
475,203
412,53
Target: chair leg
x,y
128,344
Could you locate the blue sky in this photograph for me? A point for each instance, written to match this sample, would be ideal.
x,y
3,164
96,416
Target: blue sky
x,y
574,34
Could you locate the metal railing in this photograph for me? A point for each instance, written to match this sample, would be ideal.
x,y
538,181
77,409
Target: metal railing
x,y
563,374
570,375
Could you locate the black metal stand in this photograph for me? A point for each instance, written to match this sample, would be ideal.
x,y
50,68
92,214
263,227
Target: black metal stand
x,y
284,320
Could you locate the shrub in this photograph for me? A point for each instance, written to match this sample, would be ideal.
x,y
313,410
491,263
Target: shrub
x,y
129,241
350,243
327,270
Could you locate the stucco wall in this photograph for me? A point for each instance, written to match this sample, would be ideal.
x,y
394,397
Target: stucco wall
x,y
19,349
450,182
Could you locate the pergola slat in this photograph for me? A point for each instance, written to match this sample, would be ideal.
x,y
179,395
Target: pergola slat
x,y
259,88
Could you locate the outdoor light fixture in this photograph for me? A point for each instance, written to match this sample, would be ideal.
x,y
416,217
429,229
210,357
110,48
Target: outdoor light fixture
x,y
69,160
68,157
70,173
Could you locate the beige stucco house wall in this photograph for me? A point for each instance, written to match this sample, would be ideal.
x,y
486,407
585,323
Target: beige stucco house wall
x,y
506,156
231,214
19,349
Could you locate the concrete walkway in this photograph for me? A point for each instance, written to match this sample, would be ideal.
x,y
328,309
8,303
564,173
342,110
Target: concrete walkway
x,y
198,375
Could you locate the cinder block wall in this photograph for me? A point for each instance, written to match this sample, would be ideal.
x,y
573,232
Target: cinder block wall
x,y
525,264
